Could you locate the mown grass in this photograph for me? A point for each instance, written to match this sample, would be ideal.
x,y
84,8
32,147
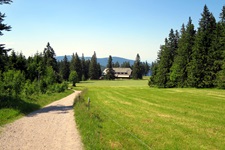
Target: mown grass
x,y
18,107
127,114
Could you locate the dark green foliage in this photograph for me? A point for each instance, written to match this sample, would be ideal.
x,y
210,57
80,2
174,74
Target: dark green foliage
x,y
110,75
65,68
85,67
76,65
94,68
219,44
153,78
5,2
137,72
13,82
202,74
49,57
179,70
145,68
116,65
166,58
125,64
3,27
35,67
196,59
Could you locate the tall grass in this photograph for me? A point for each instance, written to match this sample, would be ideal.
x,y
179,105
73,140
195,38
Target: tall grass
x,y
128,114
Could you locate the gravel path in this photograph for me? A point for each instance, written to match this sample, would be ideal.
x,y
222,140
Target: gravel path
x,y
50,128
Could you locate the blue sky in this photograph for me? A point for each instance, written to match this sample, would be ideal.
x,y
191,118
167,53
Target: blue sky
x,y
108,27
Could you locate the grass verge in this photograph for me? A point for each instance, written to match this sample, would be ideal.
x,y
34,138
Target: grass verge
x,y
19,107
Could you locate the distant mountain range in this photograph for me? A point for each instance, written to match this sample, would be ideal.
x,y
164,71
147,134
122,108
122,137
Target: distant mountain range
x,y
101,61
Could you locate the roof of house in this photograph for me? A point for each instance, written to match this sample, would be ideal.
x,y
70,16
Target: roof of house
x,y
121,72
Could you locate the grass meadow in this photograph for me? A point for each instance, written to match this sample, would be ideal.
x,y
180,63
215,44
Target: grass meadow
x,y
127,114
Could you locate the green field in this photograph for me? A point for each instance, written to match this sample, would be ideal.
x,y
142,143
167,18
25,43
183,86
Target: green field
x,y
127,114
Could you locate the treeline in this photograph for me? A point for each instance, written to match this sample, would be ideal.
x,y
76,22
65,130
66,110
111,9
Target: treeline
x,y
193,58
92,70
36,75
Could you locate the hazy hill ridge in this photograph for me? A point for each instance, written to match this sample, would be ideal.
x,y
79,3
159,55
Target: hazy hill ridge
x,y
102,61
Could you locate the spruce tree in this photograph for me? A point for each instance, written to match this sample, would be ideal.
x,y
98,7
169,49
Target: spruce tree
x,y
125,64
137,68
145,68
110,75
49,57
84,67
162,75
94,68
116,64
220,45
166,58
65,68
202,75
179,70
3,27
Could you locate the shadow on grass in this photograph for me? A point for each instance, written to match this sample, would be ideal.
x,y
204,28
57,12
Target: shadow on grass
x,y
60,109
17,103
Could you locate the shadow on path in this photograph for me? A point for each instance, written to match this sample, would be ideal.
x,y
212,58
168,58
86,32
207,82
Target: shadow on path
x,y
60,109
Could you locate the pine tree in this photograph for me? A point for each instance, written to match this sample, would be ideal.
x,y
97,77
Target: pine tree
x,y
163,68
153,78
165,60
78,67
84,67
179,70
116,65
94,68
49,57
65,68
202,75
220,45
35,67
137,68
3,27
72,62
21,63
125,64
110,75
146,68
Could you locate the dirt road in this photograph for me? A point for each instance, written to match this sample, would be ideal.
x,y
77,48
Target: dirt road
x,y
51,128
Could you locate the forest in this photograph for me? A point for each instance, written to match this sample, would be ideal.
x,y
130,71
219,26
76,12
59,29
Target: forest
x,y
193,58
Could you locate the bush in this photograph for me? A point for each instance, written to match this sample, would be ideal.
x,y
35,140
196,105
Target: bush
x,y
73,77
13,82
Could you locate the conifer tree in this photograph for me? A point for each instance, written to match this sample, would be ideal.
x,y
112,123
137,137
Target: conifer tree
x,y
65,68
201,74
49,57
3,27
94,68
145,68
137,68
179,70
110,75
220,45
126,64
84,67
116,64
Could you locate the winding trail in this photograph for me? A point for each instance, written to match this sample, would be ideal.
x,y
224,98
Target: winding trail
x,y
50,128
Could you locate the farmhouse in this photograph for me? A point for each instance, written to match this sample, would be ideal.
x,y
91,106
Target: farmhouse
x,y
120,72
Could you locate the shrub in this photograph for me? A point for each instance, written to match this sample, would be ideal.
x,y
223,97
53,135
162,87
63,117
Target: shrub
x,y
73,77
13,82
